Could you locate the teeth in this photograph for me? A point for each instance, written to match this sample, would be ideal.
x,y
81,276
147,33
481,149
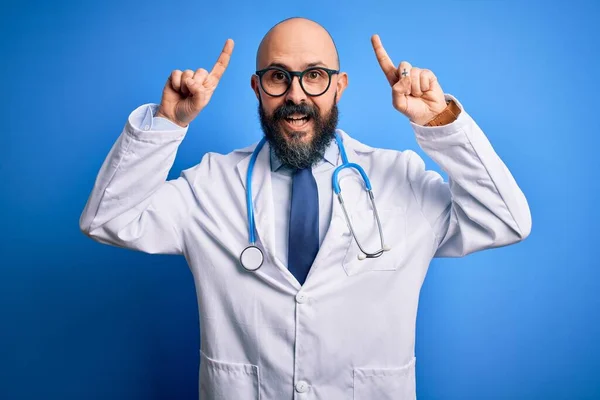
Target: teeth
x,y
298,117
297,121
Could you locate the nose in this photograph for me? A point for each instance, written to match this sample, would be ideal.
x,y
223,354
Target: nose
x,y
295,92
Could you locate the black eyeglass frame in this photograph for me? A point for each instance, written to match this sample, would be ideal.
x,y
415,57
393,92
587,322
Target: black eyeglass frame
x,y
299,74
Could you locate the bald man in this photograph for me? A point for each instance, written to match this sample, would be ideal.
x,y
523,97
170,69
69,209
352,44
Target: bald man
x,y
304,293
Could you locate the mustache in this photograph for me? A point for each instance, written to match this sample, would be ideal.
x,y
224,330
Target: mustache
x,y
289,108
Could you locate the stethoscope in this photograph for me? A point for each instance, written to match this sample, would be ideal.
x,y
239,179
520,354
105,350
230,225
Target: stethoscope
x,y
252,257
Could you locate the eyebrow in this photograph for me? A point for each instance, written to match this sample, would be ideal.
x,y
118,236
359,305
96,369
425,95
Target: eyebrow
x,y
309,65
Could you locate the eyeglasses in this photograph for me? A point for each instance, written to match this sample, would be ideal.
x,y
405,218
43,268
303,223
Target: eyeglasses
x,y
276,81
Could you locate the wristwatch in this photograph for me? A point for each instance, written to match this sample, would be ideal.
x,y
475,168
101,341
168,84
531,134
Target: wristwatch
x,y
448,115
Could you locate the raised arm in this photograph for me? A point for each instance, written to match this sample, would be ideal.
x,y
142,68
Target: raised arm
x,y
132,205
481,206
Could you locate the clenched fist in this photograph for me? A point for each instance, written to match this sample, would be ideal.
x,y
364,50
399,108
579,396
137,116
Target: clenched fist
x,y
416,92
187,93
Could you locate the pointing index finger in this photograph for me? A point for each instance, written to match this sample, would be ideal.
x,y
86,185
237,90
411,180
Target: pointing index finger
x,y
222,61
385,61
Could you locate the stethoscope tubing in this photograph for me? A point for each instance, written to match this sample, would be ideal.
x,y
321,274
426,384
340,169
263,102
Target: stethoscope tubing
x,y
337,190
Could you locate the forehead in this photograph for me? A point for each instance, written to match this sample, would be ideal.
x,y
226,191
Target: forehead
x,y
297,44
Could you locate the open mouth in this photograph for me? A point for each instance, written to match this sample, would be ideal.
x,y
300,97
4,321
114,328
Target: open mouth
x,y
297,120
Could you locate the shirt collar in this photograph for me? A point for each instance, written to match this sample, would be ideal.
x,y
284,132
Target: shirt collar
x,y
330,156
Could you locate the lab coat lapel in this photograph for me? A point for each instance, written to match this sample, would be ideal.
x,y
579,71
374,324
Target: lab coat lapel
x,y
337,239
262,197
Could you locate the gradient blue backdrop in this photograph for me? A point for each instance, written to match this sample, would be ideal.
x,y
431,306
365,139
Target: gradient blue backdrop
x,y
79,320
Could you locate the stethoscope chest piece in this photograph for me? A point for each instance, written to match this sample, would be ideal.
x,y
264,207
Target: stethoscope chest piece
x,y
251,258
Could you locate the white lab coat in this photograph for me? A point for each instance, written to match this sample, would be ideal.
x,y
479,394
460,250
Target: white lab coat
x,y
349,331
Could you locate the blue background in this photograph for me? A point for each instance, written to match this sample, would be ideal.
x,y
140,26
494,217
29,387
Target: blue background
x,y
79,320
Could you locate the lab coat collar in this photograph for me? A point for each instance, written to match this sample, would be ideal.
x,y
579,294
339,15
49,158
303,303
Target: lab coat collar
x,y
353,146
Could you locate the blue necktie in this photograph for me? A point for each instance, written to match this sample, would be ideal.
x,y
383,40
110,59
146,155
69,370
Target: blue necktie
x,y
303,243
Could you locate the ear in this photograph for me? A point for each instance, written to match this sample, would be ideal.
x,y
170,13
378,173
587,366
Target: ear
x,y
255,85
342,83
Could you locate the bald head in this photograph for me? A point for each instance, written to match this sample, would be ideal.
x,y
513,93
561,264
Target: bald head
x,y
298,41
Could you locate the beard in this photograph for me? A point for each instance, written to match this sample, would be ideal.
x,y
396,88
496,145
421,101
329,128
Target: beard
x,y
292,151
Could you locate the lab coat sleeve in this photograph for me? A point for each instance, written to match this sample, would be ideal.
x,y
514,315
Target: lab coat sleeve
x,y
132,205
481,206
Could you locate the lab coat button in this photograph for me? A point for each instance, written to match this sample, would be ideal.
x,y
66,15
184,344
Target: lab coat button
x,y
302,387
301,298
146,127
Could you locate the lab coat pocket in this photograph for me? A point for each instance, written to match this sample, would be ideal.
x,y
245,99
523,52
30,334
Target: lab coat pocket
x,y
385,383
223,380
393,224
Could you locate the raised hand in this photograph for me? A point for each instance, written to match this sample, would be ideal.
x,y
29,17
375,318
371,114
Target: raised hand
x,y
187,93
416,92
